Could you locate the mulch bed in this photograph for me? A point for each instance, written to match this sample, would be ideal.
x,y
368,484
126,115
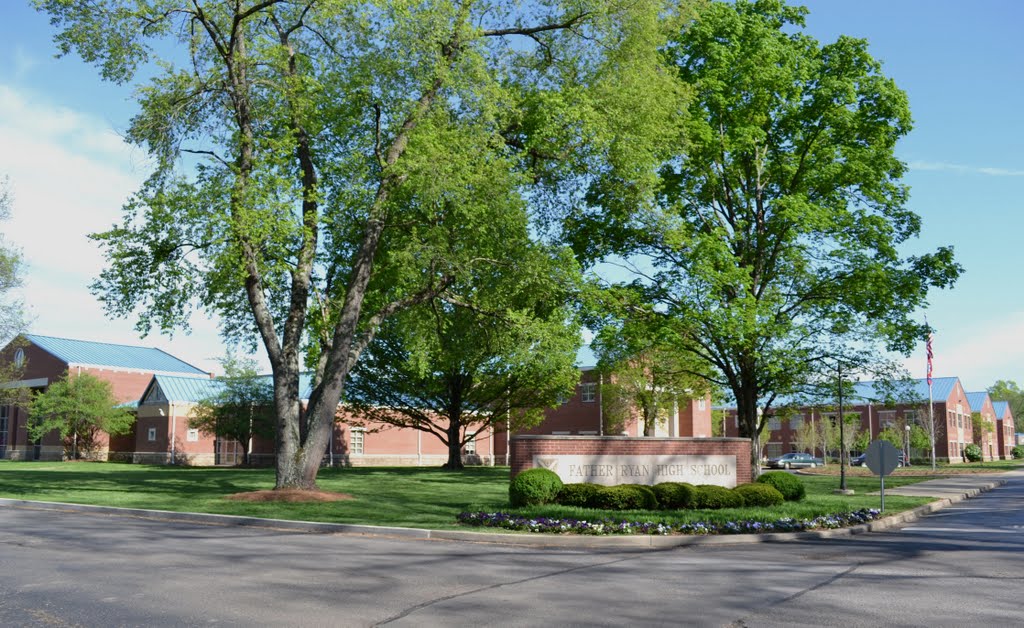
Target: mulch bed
x,y
289,495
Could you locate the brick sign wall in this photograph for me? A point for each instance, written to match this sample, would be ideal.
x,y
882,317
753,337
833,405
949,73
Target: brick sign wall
x,y
613,460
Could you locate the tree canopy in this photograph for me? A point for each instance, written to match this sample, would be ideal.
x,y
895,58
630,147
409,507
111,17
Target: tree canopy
x,y
78,408
11,312
497,360
320,166
1009,391
772,239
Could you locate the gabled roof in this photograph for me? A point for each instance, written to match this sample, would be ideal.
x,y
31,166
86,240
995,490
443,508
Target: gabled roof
x,y
88,353
177,389
977,400
912,391
1002,409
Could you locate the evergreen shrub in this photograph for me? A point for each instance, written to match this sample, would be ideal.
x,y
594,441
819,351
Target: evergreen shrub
x,y
1017,452
973,453
534,487
792,489
625,497
755,494
712,497
674,495
580,495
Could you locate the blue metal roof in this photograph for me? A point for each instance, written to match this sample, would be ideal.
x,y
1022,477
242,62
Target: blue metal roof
x,y
1002,409
912,391
84,352
977,400
177,389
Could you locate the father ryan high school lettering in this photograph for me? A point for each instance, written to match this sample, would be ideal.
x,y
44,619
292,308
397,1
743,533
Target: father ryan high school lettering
x,y
648,469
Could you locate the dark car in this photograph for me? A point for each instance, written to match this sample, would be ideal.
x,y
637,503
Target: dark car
x,y
794,461
861,461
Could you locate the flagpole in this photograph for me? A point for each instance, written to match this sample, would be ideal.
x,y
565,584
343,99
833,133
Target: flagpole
x,y
931,403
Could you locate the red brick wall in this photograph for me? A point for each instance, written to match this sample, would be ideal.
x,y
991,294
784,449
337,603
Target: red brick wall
x,y
524,448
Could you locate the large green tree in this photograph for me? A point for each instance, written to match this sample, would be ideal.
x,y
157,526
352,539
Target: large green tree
x,y
241,407
312,158
774,238
452,367
79,408
1009,391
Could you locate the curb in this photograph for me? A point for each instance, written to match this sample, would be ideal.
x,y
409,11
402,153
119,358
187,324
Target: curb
x,y
506,538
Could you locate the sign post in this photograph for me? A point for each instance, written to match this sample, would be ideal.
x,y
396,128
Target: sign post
x,y
882,458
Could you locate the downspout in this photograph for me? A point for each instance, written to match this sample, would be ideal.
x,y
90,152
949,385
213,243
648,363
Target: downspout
x,y
600,404
871,436
174,425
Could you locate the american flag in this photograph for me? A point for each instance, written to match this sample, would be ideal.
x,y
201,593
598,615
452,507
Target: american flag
x,y
928,349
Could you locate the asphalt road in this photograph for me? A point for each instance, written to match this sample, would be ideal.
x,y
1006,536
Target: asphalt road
x,y
958,567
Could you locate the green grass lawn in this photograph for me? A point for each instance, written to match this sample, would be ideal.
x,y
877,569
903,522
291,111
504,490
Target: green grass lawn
x,y
389,496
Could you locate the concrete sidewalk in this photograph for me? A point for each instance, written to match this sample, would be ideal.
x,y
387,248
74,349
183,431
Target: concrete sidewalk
x,y
947,491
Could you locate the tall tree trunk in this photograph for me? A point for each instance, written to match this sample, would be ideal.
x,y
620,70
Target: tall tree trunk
x,y
456,384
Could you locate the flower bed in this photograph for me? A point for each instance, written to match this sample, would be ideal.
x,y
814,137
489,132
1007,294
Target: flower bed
x,y
507,521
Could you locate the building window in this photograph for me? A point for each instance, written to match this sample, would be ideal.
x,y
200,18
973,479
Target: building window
x,y
151,434
886,418
356,441
19,358
796,421
702,404
910,416
192,435
588,392
773,450
470,446
774,423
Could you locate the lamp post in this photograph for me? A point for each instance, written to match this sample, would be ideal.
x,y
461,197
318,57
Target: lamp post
x,y
906,460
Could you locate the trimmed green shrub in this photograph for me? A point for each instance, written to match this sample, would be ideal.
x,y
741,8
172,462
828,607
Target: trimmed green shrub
x,y
579,495
674,495
792,489
972,452
1017,452
712,497
534,487
625,497
755,494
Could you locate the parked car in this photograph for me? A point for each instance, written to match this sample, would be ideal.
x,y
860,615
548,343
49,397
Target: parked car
x,y
861,461
794,461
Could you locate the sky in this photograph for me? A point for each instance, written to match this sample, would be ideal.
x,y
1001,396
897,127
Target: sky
x,y
962,65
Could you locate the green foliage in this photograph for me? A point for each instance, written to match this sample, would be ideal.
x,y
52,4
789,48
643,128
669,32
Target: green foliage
x,y
11,311
533,487
241,407
625,497
352,160
497,359
580,495
972,452
757,495
1017,452
791,487
894,436
775,235
78,408
674,495
711,497
1010,392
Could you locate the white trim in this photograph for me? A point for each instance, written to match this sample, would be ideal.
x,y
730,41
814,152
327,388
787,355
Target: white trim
x,y
27,383
124,369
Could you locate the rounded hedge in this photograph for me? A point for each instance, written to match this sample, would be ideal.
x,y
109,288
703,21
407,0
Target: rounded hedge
x,y
972,452
1017,452
674,495
579,495
534,487
759,494
712,497
792,489
625,497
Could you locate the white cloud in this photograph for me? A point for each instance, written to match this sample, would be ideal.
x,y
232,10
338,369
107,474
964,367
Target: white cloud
x,y
69,174
964,169
979,354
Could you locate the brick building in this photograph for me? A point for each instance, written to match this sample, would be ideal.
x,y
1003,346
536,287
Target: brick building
x,y
42,360
1006,436
987,437
950,407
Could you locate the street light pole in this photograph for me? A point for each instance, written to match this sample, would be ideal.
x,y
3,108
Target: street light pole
x,y
842,432
906,460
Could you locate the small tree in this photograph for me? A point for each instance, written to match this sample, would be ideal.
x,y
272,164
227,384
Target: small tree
x,y
808,436
242,407
981,429
78,408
